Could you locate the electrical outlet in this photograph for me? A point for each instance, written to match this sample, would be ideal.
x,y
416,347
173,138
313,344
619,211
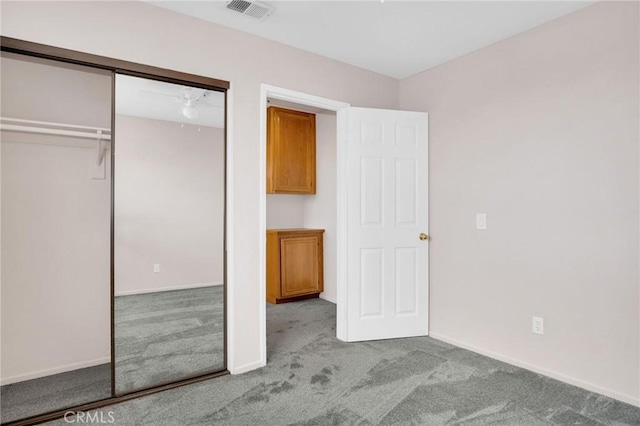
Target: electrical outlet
x,y
538,325
156,267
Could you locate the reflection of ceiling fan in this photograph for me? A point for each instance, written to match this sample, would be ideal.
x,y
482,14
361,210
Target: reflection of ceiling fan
x,y
191,99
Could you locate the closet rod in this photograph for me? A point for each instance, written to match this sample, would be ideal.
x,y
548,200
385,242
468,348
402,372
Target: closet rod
x,y
39,130
59,129
52,124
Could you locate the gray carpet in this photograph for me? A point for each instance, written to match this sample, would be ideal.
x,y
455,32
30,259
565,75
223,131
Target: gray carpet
x,y
169,335
37,396
314,379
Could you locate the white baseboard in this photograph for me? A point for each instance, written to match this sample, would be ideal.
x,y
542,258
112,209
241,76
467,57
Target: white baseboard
x,y
540,370
52,371
323,297
246,368
156,290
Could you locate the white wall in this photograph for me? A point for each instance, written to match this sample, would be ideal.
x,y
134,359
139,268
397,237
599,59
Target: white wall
x,y
147,34
285,211
55,225
541,133
169,205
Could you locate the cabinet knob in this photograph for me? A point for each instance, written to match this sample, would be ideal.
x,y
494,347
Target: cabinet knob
x,y
424,236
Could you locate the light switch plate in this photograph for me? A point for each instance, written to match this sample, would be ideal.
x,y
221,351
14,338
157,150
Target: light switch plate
x,y
481,221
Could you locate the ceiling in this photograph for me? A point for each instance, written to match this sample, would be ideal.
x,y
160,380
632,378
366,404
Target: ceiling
x,y
141,97
394,38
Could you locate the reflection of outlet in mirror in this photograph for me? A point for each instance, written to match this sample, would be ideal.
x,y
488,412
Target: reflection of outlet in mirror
x,y
538,325
156,267
481,221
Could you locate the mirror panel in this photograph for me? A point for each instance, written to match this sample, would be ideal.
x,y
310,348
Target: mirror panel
x,y
169,205
55,239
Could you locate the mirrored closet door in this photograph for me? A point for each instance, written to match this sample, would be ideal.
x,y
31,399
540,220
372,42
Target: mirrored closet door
x,y
56,203
168,232
112,230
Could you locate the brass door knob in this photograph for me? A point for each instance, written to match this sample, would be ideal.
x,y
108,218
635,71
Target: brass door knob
x,y
424,236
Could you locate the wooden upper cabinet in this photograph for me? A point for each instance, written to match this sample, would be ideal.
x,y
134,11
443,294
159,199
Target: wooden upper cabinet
x,y
291,152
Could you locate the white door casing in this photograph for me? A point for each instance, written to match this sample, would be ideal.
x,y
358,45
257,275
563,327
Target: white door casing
x,y
387,210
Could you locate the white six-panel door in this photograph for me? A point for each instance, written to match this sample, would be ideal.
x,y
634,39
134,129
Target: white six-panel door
x,y
387,210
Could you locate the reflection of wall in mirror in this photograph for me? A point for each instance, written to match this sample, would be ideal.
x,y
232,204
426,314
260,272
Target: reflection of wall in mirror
x,y
169,205
55,224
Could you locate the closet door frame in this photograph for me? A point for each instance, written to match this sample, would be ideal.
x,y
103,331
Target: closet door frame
x,y
116,66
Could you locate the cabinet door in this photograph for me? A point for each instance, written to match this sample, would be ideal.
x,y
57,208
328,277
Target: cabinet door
x,y
291,152
300,268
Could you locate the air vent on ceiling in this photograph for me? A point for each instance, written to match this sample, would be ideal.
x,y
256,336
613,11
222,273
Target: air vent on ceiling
x,y
251,8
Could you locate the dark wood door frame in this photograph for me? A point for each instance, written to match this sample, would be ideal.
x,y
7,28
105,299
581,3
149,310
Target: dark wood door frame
x,y
116,66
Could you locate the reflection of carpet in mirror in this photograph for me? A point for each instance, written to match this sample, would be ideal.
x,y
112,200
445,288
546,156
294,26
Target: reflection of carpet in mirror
x,y
167,336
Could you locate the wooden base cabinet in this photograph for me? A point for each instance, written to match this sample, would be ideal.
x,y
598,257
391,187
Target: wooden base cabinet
x,y
294,264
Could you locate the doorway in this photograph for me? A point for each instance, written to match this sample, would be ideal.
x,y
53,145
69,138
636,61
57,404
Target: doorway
x,y
286,98
381,195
